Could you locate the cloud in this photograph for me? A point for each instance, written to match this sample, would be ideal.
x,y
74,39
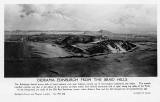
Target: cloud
x,y
42,10
115,18
27,9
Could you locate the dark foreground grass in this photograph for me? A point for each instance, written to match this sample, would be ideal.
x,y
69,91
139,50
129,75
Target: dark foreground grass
x,y
142,62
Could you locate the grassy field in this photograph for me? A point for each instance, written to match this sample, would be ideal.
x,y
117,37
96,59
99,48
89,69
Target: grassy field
x,y
141,62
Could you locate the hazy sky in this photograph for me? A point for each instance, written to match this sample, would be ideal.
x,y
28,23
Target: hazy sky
x,y
114,18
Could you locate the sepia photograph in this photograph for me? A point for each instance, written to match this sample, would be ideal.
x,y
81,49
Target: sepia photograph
x,y
80,40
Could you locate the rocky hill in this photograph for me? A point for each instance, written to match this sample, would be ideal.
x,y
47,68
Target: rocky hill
x,y
111,46
105,46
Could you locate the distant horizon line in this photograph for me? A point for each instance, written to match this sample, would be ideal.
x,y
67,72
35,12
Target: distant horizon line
x,y
153,32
